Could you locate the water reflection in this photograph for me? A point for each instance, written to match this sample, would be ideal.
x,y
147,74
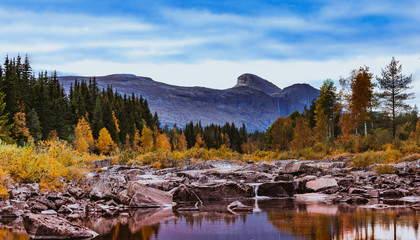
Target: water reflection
x,y
277,219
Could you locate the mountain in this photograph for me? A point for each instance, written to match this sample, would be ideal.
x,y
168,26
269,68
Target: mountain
x,y
253,100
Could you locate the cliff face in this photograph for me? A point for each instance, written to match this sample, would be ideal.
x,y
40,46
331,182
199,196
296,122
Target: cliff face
x,y
253,100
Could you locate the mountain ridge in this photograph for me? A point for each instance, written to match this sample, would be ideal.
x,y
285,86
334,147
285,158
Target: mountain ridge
x,y
253,100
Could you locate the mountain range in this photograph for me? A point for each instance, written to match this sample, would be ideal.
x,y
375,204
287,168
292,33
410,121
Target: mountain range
x,y
253,100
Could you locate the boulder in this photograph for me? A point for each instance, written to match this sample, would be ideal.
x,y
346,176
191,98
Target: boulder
x,y
300,168
283,177
220,191
9,212
101,163
101,191
238,207
276,189
40,226
184,194
393,193
321,184
143,196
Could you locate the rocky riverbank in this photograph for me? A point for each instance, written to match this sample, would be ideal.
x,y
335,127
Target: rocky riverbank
x,y
119,190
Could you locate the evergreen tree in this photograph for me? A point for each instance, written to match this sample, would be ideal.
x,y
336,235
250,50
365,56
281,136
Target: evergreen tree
x,y
5,127
394,86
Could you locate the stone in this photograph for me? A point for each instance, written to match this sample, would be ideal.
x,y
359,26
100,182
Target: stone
x,y
49,212
101,163
143,196
64,210
38,207
393,193
321,184
9,212
356,191
238,207
277,189
300,168
40,226
101,191
283,177
372,193
21,193
184,194
220,191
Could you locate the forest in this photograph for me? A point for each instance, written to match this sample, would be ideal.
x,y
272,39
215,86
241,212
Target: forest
x,y
366,118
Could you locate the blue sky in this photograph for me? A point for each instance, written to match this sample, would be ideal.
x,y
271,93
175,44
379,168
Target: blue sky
x,y
210,43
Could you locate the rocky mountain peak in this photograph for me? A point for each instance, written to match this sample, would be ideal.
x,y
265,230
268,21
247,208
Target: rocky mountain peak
x,y
255,82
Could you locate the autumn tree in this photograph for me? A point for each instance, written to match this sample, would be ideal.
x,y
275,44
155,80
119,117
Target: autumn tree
x,y
162,142
280,134
302,134
179,142
394,86
83,136
136,141
20,129
358,99
199,143
104,143
147,141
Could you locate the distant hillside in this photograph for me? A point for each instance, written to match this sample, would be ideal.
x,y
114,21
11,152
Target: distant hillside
x,y
253,100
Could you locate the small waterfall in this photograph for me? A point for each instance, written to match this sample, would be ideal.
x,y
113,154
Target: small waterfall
x,y
256,207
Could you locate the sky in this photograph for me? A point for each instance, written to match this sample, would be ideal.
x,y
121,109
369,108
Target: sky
x,y
210,43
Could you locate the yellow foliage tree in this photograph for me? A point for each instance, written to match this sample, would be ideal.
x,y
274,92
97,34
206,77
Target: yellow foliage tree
x,y
117,126
146,140
418,131
162,142
104,143
199,143
20,129
302,134
136,141
84,138
179,142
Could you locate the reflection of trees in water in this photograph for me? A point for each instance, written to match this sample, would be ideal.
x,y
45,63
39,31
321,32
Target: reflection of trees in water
x,y
346,224
122,231
197,219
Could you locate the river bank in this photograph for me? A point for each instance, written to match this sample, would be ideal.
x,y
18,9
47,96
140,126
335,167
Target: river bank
x,y
210,186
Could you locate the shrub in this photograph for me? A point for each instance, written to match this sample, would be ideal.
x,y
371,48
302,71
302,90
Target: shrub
x,y
384,169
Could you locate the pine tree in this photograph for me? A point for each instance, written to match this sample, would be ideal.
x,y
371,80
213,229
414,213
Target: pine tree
x,y
5,128
394,86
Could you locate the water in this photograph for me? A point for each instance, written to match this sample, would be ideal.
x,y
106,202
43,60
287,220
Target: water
x,y
277,219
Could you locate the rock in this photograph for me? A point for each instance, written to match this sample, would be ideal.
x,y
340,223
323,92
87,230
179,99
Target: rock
x,y
300,168
38,207
9,212
184,194
123,197
21,193
219,191
101,163
394,193
356,200
64,210
283,177
356,191
101,191
372,193
51,227
276,189
238,207
321,184
49,212
143,196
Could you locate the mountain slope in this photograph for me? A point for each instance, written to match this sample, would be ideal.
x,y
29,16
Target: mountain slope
x,y
253,101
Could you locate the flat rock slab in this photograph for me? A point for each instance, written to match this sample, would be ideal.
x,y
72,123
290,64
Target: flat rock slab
x,y
312,197
143,196
40,226
321,184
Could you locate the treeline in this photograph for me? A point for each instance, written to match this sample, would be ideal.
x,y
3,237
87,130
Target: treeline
x,y
354,118
36,107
